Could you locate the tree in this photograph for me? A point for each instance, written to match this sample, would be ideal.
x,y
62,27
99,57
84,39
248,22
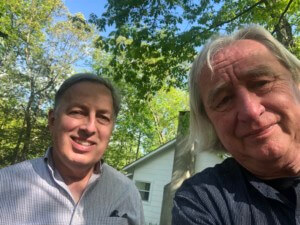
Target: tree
x,y
163,114
143,124
38,53
158,38
140,130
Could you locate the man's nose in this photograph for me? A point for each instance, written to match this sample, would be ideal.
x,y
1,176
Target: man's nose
x,y
89,125
249,106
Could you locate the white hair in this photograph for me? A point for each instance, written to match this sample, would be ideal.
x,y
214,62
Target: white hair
x,y
201,129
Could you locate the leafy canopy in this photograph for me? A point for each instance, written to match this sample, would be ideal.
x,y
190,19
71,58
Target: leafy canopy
x,y
153,42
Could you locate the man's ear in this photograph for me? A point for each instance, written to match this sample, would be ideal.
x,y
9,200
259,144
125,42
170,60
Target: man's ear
x,y
51,118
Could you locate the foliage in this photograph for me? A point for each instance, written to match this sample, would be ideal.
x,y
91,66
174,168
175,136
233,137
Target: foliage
x,y
141,131
143,124
159,38
40,44
151,45
147,54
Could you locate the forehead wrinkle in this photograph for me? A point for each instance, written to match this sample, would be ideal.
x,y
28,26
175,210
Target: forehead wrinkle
x,y
258,71
225,70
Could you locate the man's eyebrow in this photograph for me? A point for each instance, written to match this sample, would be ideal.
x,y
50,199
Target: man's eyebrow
x,y
85,107
259,71
76,104
104,111
216,91
255,72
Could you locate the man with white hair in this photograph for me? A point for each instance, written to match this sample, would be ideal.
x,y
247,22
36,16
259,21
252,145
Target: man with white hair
x,y
245,99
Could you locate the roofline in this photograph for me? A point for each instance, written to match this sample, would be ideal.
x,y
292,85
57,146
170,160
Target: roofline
x,y
145,157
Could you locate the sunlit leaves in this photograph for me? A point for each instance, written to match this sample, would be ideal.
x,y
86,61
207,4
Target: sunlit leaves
x,y
43,43
165,35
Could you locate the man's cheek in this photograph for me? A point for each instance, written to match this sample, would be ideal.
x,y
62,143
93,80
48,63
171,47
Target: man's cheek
x,y
69,124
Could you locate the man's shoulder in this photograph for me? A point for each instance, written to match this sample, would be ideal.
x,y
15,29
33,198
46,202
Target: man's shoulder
x,y
21,168
115,176
116,185
218,176
220,170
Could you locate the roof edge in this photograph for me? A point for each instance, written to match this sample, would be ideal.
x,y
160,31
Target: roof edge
x,y
149,155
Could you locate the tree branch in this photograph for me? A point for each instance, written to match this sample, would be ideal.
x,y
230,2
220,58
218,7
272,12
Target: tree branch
x,y
276,27
3,35
227,21
234,18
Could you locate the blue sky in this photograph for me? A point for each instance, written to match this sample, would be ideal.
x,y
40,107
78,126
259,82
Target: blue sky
x,y
86,7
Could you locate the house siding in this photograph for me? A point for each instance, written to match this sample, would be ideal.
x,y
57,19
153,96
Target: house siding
x,y
158,171
206,159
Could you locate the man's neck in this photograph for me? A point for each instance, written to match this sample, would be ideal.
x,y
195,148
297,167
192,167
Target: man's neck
x,y
77,185
290,167
75,178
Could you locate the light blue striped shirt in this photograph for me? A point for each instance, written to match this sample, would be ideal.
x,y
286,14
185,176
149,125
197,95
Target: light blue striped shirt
x,y
33,192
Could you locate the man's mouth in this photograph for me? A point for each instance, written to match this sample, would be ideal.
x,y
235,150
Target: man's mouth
x,y
259,132
83,142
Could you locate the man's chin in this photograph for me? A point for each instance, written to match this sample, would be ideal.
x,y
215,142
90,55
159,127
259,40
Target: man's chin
x,y
83,164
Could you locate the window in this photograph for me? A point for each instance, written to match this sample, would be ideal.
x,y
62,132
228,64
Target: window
x,y
144,189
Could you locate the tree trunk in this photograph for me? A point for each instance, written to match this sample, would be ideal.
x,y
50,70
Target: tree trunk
x,y
138,146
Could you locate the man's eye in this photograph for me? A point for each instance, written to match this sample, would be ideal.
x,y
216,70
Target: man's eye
x,y
262,86
76,113
262,83
104,119
223,102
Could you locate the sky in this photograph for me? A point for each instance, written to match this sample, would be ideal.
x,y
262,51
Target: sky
x,y
86,7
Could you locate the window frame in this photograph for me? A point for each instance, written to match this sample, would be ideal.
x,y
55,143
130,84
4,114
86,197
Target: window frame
x,y
144,191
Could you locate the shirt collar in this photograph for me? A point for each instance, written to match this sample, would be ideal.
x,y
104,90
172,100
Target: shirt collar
x,y
263,187
49,160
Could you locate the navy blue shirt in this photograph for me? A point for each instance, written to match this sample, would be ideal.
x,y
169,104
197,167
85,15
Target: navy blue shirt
x,y
230,195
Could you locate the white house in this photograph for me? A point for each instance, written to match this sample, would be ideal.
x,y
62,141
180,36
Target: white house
x,y
151,173
154,173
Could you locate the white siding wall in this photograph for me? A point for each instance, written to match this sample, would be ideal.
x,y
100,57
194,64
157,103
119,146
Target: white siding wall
x,y
157,171
206,159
